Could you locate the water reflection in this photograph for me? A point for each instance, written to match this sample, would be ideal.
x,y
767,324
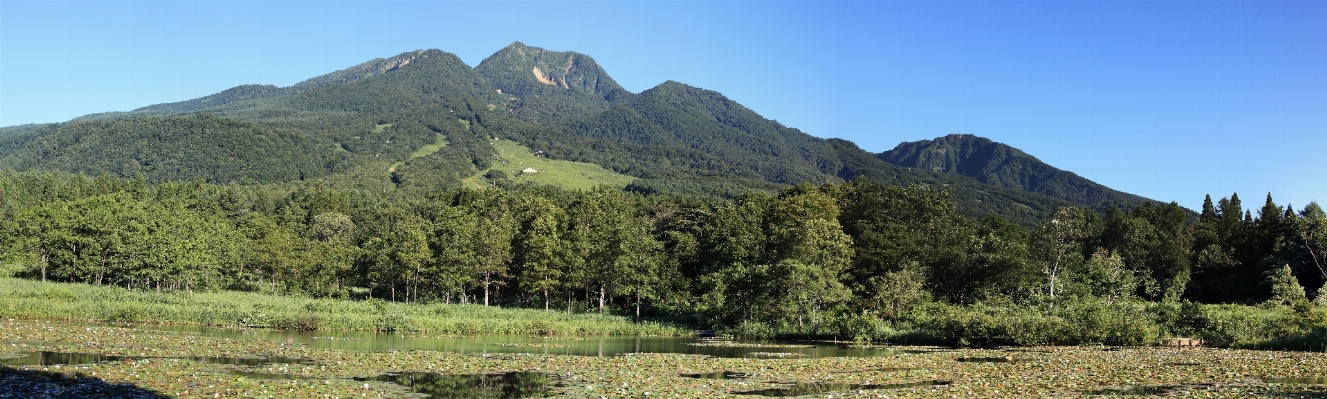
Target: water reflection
x,y
507,386
1296,380
814,388
719,375
995,359
49,358
551,345
54,358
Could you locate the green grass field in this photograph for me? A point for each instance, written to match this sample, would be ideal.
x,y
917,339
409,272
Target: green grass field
x,y
28,299
438,143
513,158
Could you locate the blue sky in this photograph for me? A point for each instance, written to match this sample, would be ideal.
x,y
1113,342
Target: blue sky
x,y
1166,99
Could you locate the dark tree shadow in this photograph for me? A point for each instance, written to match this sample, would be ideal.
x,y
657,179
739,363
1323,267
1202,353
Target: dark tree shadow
x,y
16,383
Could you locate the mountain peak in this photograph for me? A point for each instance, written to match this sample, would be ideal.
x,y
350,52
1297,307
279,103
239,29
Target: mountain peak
x,y
520,70
999,164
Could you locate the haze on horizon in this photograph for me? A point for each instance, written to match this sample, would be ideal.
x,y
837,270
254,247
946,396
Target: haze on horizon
x,y
1167,100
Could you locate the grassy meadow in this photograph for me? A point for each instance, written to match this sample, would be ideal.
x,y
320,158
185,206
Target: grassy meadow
x,y
26,299
513,158
439,141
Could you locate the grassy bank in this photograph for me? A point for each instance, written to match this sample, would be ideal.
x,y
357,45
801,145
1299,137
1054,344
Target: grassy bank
x,y
28,299
1129,323
1302,326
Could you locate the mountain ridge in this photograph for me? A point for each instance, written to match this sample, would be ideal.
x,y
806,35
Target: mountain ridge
x,y
672,138
999,164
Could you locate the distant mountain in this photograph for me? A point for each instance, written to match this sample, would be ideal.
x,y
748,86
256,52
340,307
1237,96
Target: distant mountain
x,y
424,120
1001,165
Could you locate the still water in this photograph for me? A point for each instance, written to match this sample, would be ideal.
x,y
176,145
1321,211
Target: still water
x,y
552,345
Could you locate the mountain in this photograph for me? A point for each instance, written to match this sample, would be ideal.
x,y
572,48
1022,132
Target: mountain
x,y
544,84
424,120
166,148
1001,165
242,93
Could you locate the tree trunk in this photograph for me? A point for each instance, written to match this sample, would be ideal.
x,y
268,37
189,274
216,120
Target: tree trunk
x,y
637,306
602,292
486,289
45,258
545,299
1055,270
101,270
1314,255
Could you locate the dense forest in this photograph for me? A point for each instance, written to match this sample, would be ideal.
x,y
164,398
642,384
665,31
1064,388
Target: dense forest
x,y
844,259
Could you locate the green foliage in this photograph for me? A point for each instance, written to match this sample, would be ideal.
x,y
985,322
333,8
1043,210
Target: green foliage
x,y
179,149
1285,287
857,261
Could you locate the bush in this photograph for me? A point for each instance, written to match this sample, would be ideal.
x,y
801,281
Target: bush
x,y
1073,323
122,313
393,322
861,328
752,330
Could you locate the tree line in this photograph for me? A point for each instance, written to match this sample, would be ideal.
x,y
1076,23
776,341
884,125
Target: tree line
x,y
793,260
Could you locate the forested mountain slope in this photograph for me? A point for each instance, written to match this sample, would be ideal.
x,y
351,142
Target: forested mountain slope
x,y
999,164
546,84
377,66
170,149
367,127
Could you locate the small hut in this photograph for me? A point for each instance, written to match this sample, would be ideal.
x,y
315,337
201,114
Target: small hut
x,y
529,171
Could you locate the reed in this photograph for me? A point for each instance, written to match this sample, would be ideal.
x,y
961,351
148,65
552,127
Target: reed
x,y
80,302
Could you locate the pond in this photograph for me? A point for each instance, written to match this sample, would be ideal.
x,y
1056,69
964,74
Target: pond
x,y
551,345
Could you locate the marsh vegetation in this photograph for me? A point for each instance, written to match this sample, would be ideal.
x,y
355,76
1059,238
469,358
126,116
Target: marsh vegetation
x,y
175,363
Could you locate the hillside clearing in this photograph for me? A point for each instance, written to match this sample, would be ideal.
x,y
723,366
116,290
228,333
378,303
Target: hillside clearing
x,y
513,158
439,142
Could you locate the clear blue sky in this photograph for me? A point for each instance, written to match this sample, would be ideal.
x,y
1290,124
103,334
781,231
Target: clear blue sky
x,y
1167,99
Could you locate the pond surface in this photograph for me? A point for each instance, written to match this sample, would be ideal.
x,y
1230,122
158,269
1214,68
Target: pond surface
x,y
48,358
1296,380
801,389
436,385
505,385
552,345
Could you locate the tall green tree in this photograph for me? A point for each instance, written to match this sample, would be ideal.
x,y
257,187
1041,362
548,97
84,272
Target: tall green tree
x,y
1057,245
641,261
541,250
596,224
